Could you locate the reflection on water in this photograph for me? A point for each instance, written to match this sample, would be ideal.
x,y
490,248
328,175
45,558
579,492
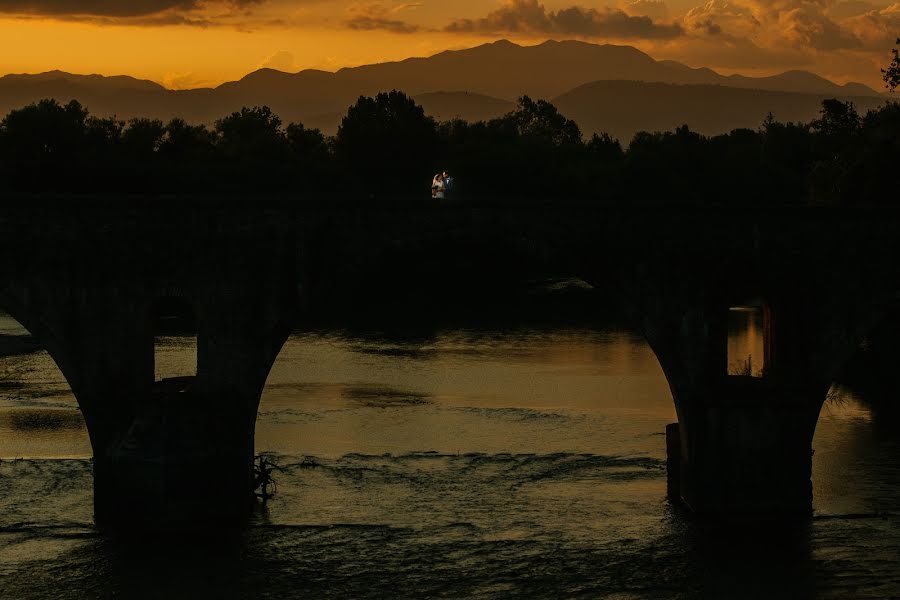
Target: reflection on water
x,y
37,420
526,463
746,347
175,356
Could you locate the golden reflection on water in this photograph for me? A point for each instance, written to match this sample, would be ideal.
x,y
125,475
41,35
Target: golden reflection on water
x,y
746,343
43,433
457,392
464,462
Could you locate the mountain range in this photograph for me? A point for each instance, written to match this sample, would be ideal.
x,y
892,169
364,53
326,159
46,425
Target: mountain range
x,y
617,89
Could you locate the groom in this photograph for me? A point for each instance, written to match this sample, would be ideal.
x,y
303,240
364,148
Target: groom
x,y
440,185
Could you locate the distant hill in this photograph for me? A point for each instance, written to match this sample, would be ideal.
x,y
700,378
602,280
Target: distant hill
x,y
622,108
473,84
97,82
446,106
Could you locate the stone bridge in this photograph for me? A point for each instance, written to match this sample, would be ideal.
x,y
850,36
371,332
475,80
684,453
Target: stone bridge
x,y
84,275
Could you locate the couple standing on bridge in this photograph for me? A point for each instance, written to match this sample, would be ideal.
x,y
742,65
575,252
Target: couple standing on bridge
x,y
441,185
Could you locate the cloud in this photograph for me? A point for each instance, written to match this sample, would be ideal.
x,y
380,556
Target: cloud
x,y
143,13
798,24
184,81
531,17
111,8
718,16
371,17
876,29
654,9
844,40
808,26
849,8
280,61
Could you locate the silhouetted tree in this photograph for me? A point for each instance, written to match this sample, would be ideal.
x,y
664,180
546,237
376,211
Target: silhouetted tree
x,y
834,132
734,172
786,159
891,75
103,137
605,148
252,135
186,156
308,144
45,131
387,145
872,163
142,138
311,160
541,120
669,167
837,119
43,145
185,143
531,151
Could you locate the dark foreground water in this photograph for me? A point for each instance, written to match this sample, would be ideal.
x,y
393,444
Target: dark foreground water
x,y
517,463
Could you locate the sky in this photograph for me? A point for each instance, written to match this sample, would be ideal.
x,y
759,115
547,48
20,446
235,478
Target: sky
x,y
196,43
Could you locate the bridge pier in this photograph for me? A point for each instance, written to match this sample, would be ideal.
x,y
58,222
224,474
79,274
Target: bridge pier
x,y
185,457
747,450
744,440
183,462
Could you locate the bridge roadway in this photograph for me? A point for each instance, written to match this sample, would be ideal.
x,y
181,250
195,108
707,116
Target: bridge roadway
x,y
84,274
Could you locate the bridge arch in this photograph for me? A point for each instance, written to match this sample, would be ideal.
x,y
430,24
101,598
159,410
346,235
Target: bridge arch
x,y
39,430
391,387
43,331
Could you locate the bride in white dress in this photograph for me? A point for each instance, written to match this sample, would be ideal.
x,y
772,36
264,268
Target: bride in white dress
x,y
438,187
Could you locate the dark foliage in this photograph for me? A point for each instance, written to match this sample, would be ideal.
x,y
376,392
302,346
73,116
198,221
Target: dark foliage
x,y
891,75
386,146
387,149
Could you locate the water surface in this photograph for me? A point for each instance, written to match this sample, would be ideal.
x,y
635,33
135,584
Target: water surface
x,y
495,462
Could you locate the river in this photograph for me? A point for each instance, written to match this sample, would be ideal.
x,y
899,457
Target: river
x,y
520,461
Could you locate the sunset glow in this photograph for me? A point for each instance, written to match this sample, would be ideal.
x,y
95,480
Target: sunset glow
x,y
196,43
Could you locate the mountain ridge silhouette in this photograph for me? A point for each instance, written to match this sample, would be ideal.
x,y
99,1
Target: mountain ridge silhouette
x,y
472,84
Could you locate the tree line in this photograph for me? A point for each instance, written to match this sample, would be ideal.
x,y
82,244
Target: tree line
x,y
387,149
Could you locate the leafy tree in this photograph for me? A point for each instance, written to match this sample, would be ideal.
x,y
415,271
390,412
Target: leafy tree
x,y
184,143
308,145
142,138
43,144
872,166
656,165
834,133
252,135
387,145
838,119
542,120
186,158
311,160
605,148
103,137
891,75
45,131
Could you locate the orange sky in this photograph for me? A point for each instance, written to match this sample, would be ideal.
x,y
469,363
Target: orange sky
x,y
190,43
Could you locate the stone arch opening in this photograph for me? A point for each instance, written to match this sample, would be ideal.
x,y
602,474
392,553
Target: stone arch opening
x,y
455,391
175,328
749,338
39,412
855,430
